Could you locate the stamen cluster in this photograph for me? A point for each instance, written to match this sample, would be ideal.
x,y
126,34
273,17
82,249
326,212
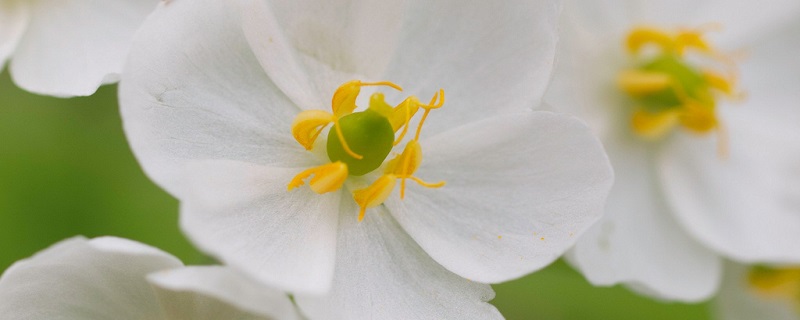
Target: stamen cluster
x,y
668,90
359,142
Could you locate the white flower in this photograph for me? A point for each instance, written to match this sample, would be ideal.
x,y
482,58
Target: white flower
x,y
114,278
68,47
208,100
718,175
764,293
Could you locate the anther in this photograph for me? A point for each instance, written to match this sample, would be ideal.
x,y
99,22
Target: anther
x,y
405,165
307,126
374,195
639,83
327,178
781,283
642,36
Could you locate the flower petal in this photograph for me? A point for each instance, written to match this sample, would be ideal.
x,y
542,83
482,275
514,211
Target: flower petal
x,y
520,190
746,205
72,47
218,293
741,20
585,73
14,18
490,57
738,301
382,274
102,278
242,214
193,90
311,47
638,242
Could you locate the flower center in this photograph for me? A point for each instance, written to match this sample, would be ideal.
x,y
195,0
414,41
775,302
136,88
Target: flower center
x,y
777,283
668,90
359,142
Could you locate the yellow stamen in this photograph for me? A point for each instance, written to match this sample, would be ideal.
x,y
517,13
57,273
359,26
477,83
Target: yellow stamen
x,y
407,162
344,99
669,90
691,39
427,184
640,83
642,36
405,165
698,118
405,110
327,178
374,195
653,125
308,125
401,116
719,82
428,107
780,283
676,43
383,83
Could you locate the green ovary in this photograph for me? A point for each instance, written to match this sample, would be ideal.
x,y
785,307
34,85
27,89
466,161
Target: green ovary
x,y
689,81
368,134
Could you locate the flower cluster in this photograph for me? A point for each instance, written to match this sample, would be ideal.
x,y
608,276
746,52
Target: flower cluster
x,y
638,142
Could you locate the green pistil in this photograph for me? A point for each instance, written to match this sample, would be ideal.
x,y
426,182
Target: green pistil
x,y
369,134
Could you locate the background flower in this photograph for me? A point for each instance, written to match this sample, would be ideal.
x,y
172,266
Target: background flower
x,y
68,47
115,278
738,299
677,204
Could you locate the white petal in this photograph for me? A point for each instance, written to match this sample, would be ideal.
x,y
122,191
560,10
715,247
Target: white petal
x,y
72,47
490,57
13,21
193,90
638,242
243,214
587,66
197,293
747,205
605,20
738,301
311,47
382,274
741,20
103,278
520,190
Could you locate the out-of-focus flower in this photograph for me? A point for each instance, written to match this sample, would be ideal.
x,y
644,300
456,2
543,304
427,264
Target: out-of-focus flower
x,y
704,143
216,97
68,47
114,278
764,293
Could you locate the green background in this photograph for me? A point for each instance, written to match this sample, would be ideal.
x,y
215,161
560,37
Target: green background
x,y
66,170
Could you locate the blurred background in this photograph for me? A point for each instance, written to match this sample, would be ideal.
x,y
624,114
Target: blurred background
x,y
66,170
